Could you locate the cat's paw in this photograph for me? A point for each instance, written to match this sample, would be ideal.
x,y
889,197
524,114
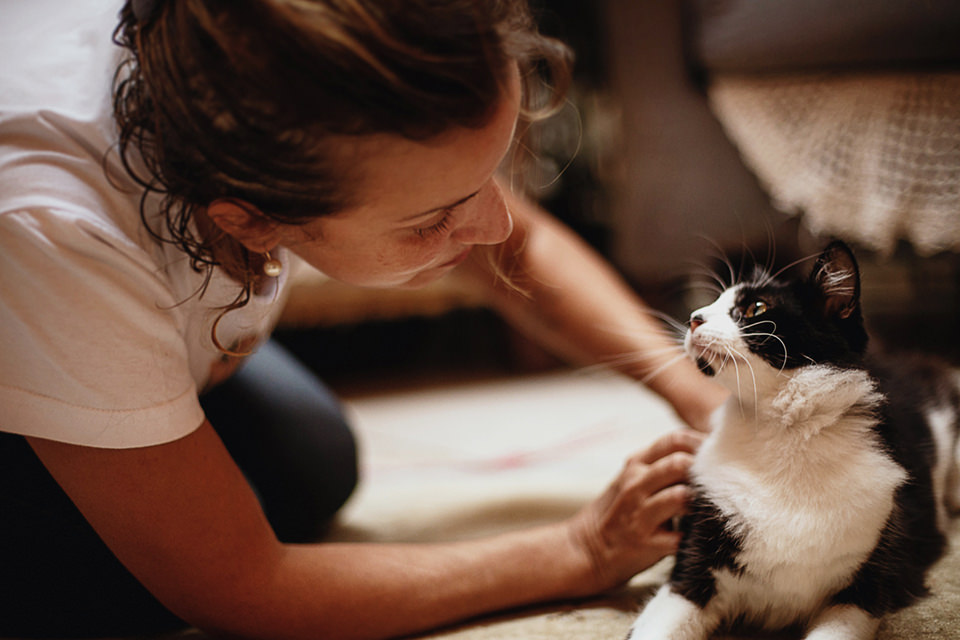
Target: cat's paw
x,y
669,616
843,622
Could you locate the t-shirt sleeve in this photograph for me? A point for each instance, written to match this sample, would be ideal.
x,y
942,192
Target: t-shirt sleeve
x,y
93,353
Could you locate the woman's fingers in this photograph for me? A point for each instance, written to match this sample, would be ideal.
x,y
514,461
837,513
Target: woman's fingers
x,y
667,471
639,481
623,530
665,505
664,542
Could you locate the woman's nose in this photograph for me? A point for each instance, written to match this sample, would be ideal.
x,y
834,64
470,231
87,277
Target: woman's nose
x,y
489,221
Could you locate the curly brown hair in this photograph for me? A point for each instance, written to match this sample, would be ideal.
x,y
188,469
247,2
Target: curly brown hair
x,y
236,98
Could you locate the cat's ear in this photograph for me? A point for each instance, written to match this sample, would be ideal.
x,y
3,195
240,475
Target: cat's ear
x,y
837,277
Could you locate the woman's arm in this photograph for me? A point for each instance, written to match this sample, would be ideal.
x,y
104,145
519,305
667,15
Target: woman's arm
x,y
184,521
572,301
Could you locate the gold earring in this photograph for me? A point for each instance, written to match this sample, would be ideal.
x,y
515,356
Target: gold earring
x,y
216,342
271,266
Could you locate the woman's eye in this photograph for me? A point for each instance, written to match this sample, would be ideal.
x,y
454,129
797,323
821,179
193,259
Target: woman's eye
x,y
439,227
755,309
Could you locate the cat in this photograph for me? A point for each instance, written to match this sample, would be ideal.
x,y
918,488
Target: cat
x,y
821,495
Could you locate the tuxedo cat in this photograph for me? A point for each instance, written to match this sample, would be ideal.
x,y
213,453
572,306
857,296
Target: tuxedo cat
x,y
821,495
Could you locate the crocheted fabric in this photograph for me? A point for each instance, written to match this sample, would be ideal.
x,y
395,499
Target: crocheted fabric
x,y
871,158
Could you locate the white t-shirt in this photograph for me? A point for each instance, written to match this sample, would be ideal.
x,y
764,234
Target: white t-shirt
x,y
104,338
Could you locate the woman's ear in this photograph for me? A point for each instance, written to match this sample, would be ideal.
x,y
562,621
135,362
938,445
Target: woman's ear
x,y
244,222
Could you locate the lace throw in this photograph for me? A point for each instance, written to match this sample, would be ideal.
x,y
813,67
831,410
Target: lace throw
x,y
870,158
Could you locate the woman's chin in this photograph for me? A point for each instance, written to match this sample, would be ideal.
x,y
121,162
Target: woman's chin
x,y
424,278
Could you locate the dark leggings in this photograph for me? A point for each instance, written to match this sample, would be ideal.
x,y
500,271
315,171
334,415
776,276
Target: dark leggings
x,y
284,429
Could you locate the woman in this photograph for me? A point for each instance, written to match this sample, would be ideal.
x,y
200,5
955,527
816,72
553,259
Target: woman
x,y
148,484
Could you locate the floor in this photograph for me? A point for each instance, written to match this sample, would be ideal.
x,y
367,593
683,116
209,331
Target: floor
x,y
524,447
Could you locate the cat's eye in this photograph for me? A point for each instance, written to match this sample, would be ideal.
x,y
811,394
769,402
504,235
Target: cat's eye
x,y
755,309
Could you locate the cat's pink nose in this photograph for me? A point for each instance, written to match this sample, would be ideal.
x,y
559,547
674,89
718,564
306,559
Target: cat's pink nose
x,y
695,321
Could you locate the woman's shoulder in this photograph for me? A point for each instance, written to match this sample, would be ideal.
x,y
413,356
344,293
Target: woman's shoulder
x,y
57,65
57,55
58,171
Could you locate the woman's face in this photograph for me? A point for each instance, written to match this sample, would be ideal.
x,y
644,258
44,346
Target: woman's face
x,y
422,205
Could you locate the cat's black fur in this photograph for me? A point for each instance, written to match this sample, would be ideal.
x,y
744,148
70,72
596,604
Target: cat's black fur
x,y
893,575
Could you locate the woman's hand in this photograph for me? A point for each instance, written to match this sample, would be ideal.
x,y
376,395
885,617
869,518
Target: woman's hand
x,y
624,531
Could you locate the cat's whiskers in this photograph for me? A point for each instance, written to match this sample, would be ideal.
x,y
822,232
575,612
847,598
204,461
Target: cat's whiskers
x,y
716,355
736,369
652,358
615,362
783,364
663,367
769,276
673,329
760,322
620,363
722,256
753,376
672,322
767,335
711,281
779,272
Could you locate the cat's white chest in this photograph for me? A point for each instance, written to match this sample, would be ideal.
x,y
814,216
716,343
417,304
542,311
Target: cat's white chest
x,y
809,508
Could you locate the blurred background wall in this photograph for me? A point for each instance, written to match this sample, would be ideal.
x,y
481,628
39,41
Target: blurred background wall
x,y
642,165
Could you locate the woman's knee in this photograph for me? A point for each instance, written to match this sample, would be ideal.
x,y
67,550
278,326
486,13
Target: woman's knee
x,y
289,434
302,499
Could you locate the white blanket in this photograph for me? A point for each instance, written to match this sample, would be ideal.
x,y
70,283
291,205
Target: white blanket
x,y
872,158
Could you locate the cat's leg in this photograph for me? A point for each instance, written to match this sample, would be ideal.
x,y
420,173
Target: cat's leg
x,y
952,493
843,622
670,616
944,422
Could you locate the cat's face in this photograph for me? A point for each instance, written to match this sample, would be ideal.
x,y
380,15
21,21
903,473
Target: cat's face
x,y
759,330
